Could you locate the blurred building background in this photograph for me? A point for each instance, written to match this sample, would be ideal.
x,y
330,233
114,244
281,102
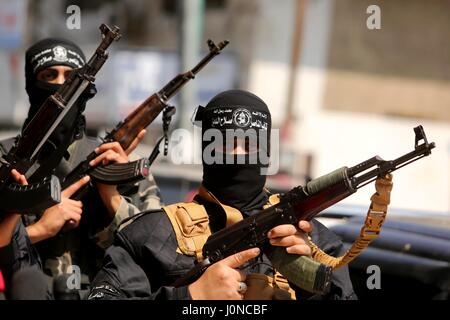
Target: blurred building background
x,y
338,91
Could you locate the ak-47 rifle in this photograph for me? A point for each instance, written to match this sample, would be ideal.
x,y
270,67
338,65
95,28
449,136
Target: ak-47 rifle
x,y
39,196
301,203
126,131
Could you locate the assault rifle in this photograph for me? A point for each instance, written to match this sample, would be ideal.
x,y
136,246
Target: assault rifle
x,y
23,155
126,131
302,203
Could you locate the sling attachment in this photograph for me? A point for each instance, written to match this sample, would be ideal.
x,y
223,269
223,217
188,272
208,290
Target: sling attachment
x,y
168,113
376,216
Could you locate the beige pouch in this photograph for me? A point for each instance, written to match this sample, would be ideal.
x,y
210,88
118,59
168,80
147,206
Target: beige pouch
x,y
263,287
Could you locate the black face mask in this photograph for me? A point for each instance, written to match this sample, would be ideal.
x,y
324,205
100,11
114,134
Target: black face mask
x,y
38,92
238,185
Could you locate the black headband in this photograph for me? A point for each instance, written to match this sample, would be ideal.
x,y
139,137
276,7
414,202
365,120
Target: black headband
x,y
233,117
50,52
234,109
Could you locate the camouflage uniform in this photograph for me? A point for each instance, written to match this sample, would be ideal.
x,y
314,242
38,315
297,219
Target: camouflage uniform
x,y
84,246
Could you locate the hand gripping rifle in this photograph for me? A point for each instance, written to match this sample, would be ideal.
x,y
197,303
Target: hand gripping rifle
x,y
126,131
39,196
301,203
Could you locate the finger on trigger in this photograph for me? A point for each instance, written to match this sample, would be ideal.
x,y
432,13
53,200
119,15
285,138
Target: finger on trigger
x,y
238,259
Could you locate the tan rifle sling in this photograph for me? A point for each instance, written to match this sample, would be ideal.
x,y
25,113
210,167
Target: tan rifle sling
x,y
369,232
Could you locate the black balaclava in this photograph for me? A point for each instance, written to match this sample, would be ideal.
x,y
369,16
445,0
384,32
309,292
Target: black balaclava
x,y
51,52
236,184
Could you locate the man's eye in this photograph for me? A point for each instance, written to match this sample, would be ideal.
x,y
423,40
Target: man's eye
x,y
48,75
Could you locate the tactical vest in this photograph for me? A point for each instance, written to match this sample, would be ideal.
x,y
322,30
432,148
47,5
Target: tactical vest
x,y
190,222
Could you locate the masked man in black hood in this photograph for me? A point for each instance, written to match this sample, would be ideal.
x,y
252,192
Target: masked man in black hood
x,y
153,249
65,242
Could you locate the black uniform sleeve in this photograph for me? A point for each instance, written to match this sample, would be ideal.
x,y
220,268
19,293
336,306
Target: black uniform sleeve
x,y
341,285
122,278
129,266
19,254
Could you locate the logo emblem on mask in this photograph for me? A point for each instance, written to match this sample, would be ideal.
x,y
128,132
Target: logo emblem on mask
x,y
242,118
60,54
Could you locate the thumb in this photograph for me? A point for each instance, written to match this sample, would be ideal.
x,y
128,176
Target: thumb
x,y
69,191
238,259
